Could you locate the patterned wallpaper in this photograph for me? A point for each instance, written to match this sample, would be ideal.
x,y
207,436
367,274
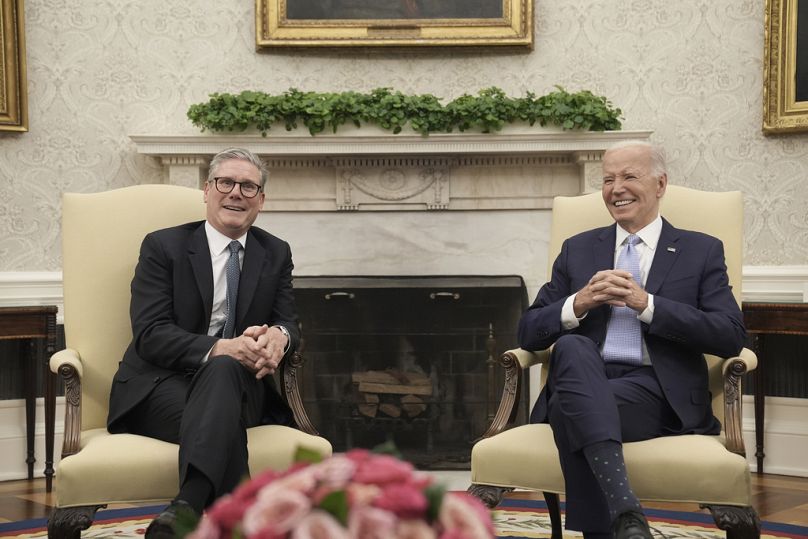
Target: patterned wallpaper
x,y
100,70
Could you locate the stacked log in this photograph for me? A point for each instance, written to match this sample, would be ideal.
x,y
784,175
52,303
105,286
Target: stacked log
x,y
391,392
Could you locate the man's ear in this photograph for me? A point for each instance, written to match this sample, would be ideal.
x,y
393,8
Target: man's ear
x,y
662,184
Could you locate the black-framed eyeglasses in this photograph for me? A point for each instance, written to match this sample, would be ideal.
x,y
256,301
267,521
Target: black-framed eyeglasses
x,y
226,185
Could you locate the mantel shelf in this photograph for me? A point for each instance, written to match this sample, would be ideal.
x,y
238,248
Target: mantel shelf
x,y
371,141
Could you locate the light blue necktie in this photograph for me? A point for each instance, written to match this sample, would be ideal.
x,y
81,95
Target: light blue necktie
x,y
232,272
624,333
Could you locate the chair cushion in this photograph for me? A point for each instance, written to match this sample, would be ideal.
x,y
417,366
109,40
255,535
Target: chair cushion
x,y
525,457
125,468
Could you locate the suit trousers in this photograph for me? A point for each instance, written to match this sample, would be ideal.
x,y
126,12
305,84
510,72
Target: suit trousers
x,y
207,413
591,401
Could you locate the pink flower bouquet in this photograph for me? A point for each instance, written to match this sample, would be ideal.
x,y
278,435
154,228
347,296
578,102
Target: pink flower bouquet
x,y
355,495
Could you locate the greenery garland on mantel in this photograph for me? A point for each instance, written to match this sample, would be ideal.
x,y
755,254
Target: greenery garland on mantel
x,y
488,111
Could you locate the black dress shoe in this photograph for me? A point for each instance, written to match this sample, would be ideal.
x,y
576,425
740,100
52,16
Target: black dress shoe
x,y
631,525
162,527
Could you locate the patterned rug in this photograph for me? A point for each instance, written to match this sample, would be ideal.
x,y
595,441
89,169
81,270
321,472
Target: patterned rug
x,y
513,519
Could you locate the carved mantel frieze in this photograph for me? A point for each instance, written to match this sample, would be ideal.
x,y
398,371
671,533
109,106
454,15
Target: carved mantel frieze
x,y
368,169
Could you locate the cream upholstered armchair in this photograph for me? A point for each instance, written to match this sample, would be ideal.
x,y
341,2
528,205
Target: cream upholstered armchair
x,y
710,470
102,234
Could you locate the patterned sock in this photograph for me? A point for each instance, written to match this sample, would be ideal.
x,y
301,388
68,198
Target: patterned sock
x,y
606,461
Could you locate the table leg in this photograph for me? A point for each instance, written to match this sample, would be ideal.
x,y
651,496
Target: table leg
x,y
49,381
760,401
29,382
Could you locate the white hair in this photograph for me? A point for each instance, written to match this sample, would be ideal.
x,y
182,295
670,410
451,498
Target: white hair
x,y
657,154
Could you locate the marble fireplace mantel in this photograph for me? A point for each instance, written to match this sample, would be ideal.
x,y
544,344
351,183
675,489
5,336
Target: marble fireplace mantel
x,y
368,169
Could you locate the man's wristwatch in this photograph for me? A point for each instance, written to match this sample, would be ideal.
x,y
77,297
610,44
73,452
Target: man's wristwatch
x,y
288,338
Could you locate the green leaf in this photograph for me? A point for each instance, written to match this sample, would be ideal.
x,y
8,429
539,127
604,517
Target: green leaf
x,y
434,496
304,454
336,503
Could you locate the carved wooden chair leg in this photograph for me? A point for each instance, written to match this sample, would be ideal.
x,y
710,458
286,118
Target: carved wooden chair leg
x,y
554,510
67,523
739,522
490,495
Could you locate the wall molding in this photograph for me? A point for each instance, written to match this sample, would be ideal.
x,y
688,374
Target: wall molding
x,y
760,283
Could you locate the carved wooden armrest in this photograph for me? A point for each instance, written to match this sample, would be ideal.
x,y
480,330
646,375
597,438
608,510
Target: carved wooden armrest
x,y
513,361
67,364
734,368
291,392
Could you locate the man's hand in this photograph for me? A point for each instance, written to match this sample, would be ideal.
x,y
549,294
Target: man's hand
x,y
273,342
612,287
259,349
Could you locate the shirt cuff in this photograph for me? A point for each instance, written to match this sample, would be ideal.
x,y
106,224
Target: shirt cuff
x,y
568,318
647,315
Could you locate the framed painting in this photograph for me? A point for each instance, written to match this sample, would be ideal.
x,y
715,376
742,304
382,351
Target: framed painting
x,y
13,85
393,23
785,77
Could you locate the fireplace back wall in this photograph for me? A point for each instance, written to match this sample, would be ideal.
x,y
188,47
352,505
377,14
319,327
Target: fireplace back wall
x,y
407,359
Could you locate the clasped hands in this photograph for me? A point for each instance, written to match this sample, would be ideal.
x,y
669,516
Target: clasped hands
x,y
259,349
612,287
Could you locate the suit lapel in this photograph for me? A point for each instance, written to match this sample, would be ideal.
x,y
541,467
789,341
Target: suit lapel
x,y
199,255
604,249
667,252
255,257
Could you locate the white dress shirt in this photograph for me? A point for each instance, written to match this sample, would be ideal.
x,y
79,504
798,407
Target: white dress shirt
x,y
219,255
646,249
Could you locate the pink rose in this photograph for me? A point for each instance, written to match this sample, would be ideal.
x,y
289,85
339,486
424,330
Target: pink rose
x,y
248,489
464,517
405,501
275,511
319,525
381,469
414,529
227,512
336,472
371,523
303,480
360,494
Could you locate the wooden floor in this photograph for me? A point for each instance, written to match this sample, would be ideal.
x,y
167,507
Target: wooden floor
x,y
777,498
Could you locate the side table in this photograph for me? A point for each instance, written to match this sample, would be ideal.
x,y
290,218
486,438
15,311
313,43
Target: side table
x,y
31,323
763,319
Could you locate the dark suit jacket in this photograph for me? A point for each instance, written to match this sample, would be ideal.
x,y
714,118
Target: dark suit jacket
x,y
172,299
694,313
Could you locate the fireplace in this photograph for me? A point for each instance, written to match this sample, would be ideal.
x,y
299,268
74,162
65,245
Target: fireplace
x,y
411,360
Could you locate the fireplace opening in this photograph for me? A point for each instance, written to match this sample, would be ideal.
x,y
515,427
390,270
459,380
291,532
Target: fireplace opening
x,y
412,360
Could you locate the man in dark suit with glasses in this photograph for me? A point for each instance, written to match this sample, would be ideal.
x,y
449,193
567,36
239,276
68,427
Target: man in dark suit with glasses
x,y
212,316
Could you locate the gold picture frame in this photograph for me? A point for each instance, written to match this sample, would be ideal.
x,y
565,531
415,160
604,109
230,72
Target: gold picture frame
x,y
393,23
785,76
13,89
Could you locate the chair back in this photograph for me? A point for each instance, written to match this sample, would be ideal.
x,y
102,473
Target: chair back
x,y
101,237
719,214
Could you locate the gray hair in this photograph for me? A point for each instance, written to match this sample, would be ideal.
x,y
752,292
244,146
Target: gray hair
x,y
238,153
657,154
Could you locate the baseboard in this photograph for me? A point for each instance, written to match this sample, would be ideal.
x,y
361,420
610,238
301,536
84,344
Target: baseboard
x,y
13,441
785,438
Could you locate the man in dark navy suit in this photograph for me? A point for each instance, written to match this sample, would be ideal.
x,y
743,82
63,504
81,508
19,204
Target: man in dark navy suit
x,y
630,309
212,316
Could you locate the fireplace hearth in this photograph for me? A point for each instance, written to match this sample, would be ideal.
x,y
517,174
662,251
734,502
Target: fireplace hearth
x,y
410,360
